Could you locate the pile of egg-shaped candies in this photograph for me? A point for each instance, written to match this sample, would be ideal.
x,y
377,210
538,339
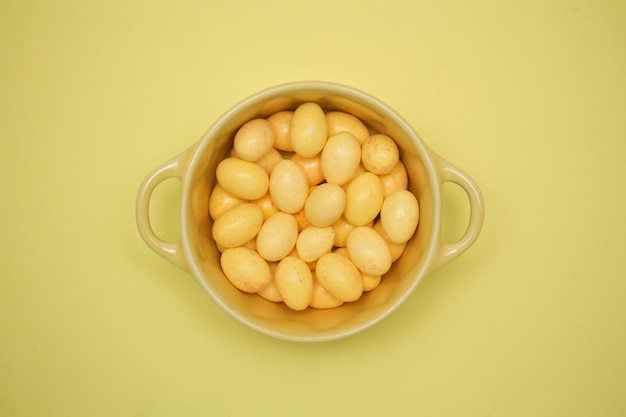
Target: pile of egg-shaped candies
x,y
311,208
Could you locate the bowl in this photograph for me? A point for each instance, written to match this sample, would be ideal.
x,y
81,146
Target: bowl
x,y
196,252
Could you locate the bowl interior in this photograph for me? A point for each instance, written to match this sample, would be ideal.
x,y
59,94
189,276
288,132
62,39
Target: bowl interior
x,y
275,319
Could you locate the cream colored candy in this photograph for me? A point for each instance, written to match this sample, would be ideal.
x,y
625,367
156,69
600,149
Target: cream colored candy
x,y
342,229
277,237
245,269
266,204
364,197
369,281
298,184
397,179
321,298
311,264
220,201
242,179
302,220
345,122
311,168
325,205
339,276
220,248
308,130
369,251
399,215
288,186
314,241
380,154
254,139
251,244
237,225
342,251
340,158
360,170
280,122
269,160
294,282
396,249
270,292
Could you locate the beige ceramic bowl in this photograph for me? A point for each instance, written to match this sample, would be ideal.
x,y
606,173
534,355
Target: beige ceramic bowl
x,y
196,251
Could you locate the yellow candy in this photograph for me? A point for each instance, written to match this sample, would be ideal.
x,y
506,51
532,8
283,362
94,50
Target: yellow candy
x,y
396,249
245,269
369,251
243,179
311,168
339,276
237,225
314,241
254,139
308,130
288,186
294,282
345,122
321,298
311,208
364,197
340,158
220,201
325,205
380,154
397,179
280,122
399,215
277,236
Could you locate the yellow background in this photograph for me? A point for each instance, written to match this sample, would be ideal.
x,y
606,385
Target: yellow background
x,y
529,98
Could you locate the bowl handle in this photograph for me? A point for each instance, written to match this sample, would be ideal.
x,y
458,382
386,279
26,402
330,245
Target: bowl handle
x,y
172,251
449,251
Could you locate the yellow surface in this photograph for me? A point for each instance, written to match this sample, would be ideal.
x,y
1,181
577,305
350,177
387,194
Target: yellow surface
x,y
529,98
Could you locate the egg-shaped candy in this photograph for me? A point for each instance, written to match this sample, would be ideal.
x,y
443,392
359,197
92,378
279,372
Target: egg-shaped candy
x,y
245,269
288,186
396,249
340,158
269,160
339,121
325,204
254,139
280,122
270,292
364,197
339,276
314,241
321,298
243,179
277,236
380,154
396,180
308,129
399,215
237,225
369,251
342,228
369,281
266,204
294,282
311,168
220,200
